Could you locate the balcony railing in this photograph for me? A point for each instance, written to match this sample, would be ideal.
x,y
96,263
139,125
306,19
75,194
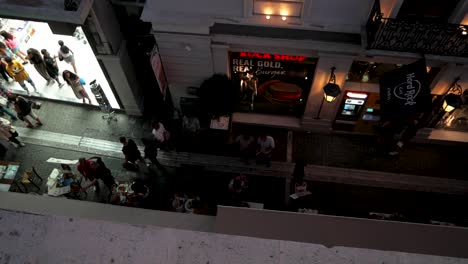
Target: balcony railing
x,y
418,36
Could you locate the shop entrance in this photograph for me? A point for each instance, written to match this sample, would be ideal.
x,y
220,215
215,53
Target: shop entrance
x,y
38,35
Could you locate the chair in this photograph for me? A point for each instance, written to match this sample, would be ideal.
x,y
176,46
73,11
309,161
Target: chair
x,y
31,177
15,187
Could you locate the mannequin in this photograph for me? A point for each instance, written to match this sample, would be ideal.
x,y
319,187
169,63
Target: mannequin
x,y
248,87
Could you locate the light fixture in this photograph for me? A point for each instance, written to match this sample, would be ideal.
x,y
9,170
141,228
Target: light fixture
x,y
283,18
365,77
463,30
452,99
330,91
268,17
356,95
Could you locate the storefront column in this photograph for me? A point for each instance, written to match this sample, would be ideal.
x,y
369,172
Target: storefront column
x,y
220,58
322,76
120,70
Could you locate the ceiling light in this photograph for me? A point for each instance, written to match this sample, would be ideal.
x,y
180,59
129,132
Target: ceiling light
x,y
464,32
268,17
283,18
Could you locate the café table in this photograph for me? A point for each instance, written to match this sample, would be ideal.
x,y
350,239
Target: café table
x,y
52,184
8,171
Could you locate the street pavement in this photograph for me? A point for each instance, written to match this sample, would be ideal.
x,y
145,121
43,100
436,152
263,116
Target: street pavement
x,y
73,131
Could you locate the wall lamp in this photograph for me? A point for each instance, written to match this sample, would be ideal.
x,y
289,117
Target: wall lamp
x,y
330,91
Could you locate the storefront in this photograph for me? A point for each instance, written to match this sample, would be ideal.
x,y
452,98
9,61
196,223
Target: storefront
x,y
272,83
38,35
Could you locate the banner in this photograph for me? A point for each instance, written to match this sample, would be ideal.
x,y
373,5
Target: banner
x,y
159,73
405,92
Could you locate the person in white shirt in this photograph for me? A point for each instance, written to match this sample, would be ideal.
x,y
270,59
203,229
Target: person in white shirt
x,y
160,133
245,147
266,144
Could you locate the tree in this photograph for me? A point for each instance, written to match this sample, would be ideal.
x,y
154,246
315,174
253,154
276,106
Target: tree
x,y
218,96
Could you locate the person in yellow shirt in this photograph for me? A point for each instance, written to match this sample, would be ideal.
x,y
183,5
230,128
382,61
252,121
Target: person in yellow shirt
x,y
16,70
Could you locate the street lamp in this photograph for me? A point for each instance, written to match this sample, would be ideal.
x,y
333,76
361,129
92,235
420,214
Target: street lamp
x,y
330,91
452,99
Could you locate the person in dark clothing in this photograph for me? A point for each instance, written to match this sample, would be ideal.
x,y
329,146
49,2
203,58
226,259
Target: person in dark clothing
x,y
151,151
34,56
104,174
51,67
131,153
24,111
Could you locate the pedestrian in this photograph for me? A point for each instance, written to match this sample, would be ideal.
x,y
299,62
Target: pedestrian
x,y
4,52
151,151
407,132
245,147
74,82
4,107
160,134
24,111
10,134
51,66
190,125
87,169
36,59
19,74
101,173
266,144
131,152
67,55
12,44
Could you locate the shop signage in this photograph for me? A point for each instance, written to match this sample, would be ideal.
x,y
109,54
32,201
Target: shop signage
x,y
405,93
269,56
159,73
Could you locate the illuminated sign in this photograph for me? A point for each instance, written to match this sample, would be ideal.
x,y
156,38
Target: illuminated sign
x,y
268,56
356,95
354,101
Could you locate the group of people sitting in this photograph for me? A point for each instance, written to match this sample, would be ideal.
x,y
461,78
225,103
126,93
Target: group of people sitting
x,y
261,148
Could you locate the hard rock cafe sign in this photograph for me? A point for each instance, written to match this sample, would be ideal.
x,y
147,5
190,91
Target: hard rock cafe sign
x,y
409,90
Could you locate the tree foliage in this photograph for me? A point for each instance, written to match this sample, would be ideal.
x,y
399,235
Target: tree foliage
x,y
218,96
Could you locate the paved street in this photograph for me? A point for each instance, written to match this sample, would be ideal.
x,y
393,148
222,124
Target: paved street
x,y
81,132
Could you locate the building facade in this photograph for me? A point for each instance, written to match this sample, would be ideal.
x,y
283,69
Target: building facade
x,y
290,47
92,31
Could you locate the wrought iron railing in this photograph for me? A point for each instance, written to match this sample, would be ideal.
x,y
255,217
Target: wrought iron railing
x,y
416,36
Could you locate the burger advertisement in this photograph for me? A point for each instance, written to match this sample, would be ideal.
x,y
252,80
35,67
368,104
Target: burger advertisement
x,y
272,83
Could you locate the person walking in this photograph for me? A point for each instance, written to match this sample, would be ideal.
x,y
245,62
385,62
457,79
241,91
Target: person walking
x,y
245,147
74,82
24,111
266,144
7,132
36,59
19,74
4,52
51,66
131,153
151,151
67,55
160,134
12,44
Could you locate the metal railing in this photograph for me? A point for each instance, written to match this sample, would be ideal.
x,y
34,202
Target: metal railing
x,y
418,36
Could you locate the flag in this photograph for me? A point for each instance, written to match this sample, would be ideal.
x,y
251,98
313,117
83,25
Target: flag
x,y
405,92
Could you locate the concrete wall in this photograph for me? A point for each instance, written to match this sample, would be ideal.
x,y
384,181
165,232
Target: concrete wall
x,y
84,232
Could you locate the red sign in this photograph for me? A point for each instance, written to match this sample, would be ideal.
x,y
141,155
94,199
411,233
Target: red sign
x,y
268,56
